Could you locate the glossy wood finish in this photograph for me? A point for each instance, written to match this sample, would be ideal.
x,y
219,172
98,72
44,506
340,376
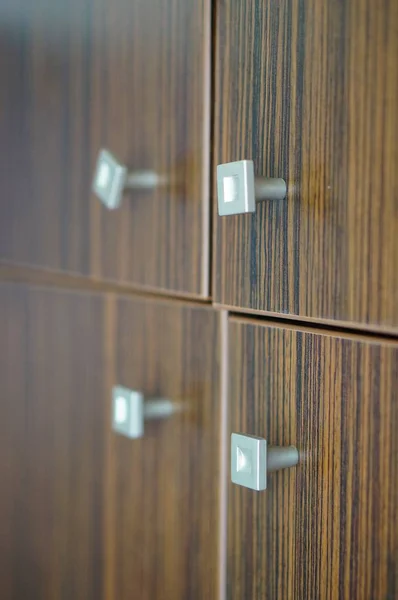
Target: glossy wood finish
x,y
85,513
130,76
308,89
327,528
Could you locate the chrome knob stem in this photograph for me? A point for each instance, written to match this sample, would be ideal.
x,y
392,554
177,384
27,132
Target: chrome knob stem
x,y
130,409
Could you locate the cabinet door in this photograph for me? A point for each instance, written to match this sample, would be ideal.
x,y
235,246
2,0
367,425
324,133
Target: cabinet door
x,y
86,513
308,90
128,75
327,528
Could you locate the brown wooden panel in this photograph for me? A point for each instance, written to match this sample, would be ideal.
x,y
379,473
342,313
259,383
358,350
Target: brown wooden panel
x,y
163,516
327,528
53,369
85,513
308,90
129,76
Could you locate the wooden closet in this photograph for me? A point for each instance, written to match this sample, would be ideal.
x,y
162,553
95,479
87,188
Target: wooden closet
x,y
278,322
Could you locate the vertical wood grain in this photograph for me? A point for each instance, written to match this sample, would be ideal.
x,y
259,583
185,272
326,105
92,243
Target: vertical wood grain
x,y
85,513
164,528
308,90
53,406
327,528
133,77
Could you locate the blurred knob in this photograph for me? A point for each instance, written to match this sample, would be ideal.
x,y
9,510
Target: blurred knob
x,y
130,409
111,179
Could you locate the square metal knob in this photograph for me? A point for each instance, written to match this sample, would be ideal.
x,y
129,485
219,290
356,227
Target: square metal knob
x,y
128,412
130,409
252,459
249,461
235,187
238,189
109,180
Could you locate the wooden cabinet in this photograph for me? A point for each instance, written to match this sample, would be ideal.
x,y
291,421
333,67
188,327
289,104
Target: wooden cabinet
x,y
308,90
131,76
327,528
86,513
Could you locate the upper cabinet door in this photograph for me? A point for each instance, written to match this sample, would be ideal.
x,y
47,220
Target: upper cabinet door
x,y
326,528
308,90
131,76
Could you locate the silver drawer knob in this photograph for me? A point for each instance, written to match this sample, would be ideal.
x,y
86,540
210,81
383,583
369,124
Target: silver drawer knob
x,y
111,179
252,459
238,190
130,410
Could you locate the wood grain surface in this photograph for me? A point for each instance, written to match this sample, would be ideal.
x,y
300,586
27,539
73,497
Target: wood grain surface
x,y
308,90
327,528
85,513
129,76
61,280
53,369
163,515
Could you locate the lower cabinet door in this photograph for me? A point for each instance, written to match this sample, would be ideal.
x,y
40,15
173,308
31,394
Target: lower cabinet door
x,y
86,513
327,528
